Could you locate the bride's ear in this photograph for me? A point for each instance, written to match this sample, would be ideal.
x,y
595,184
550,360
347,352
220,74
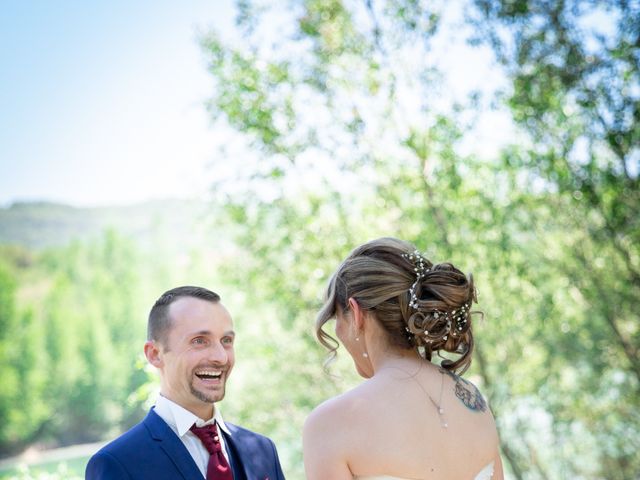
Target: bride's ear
x,y
357,313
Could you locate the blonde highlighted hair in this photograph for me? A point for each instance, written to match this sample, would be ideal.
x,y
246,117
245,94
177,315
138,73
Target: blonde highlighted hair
x,y
379,276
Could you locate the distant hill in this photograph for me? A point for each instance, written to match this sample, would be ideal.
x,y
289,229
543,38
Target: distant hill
x,y
37,225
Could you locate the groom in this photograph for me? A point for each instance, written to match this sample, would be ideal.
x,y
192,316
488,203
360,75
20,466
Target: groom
x,y
190,341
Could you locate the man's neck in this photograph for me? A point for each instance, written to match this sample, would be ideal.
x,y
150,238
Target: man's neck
x,y
204,411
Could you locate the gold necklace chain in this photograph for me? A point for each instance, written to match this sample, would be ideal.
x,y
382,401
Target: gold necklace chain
x,y
439,409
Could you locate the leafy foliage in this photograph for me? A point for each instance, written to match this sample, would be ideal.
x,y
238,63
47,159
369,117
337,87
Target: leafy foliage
x,y
68,348
345,118
343,129
575,92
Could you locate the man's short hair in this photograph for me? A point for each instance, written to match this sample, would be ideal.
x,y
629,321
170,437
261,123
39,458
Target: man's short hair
x,y
159,322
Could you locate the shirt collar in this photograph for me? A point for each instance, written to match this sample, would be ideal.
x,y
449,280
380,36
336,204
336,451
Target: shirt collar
x,y
182,419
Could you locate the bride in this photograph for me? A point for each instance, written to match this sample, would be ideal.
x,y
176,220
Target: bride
x,y
411,418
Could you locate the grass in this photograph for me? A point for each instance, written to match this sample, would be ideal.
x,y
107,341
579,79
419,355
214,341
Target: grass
x,y
69,469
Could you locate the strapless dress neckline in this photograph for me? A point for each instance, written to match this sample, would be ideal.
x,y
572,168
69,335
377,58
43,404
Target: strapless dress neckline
x,y
485,474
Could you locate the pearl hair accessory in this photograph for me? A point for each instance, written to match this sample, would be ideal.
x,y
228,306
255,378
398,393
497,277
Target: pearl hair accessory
x,y
421,269
456,319
460,319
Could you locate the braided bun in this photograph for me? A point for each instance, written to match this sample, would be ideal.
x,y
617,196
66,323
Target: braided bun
x,y
441,316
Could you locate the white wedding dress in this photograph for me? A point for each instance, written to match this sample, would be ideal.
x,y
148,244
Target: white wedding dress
x,y
485,474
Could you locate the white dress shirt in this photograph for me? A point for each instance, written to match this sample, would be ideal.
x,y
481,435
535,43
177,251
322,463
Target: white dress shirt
x,y
180,420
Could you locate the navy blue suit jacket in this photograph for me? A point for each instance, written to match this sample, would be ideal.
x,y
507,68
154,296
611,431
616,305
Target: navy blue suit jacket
x,y
151,450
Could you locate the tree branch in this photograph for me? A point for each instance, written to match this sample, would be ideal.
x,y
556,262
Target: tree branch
x,y
509,454
628,348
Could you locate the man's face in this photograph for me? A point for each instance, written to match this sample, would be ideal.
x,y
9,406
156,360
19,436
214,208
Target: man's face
x,y
198,355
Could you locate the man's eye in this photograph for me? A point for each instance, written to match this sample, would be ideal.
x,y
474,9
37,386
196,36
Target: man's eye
x,y
199,341
227,340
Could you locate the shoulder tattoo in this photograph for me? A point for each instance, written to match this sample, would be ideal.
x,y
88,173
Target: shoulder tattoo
x,y
468,393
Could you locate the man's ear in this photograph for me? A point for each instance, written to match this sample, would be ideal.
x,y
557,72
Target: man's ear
x,y
153,354
357,313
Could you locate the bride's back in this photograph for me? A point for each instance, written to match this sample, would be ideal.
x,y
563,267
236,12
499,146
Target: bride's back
x,y
390,425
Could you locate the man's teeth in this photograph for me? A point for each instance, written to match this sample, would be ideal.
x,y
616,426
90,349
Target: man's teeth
x,y
209,373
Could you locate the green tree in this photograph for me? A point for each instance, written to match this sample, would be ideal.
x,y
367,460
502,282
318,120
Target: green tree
x,y
8,354
92,340
340,113
574,70
345,136
22,406
71,336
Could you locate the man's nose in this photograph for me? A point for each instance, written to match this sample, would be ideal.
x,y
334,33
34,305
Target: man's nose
x,y
217,353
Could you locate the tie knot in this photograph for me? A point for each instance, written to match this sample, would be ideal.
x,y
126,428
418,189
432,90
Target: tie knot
x,y
208,435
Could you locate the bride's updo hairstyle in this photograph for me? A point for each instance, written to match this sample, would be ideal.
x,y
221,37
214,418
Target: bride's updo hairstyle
x,y
420,305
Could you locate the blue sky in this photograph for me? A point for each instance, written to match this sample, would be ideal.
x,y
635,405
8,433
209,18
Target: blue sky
x,y
102,102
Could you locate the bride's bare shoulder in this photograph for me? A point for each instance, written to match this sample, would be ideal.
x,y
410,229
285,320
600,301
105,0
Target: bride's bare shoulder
x,y
335,406
344,408
334,418
327,438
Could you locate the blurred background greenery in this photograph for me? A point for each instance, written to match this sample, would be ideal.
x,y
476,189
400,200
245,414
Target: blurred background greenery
x,y
344,129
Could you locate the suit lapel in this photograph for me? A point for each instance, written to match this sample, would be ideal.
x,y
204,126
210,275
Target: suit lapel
x,y
240,467
171,445
249,460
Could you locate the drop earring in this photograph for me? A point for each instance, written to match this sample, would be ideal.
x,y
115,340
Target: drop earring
x,y
364,354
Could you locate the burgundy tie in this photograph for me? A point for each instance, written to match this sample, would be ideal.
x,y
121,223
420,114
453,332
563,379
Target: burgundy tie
x,y
218,467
